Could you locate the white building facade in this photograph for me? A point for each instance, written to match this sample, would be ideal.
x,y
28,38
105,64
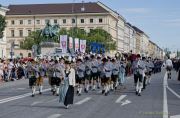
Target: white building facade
x,y
3,11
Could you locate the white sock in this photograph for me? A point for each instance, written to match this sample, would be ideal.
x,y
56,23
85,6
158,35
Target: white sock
x,y
57,90
33,90
40,89
94,87
80,89
112,86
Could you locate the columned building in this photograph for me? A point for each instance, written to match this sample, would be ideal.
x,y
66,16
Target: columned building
x,y
3,11
23,19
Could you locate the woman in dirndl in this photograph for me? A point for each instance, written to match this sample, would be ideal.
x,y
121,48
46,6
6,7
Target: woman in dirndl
x,y
66,92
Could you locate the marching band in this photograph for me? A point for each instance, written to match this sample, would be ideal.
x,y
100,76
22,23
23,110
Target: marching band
x,y
83,73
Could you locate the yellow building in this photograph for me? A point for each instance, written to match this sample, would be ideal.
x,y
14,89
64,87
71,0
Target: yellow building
x,y
23,19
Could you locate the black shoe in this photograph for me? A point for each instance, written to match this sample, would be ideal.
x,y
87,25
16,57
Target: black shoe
x,y
103,91
33,95
115,88
85,90
106,94
57,94
139,94
53,92
40,93
136,93
77,92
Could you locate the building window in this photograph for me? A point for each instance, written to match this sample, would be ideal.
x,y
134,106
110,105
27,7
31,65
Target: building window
x,y
29,22
91,20
82,20
73,20
29,32
47,21
37,21
55,21
100,20
64,21
12,22
21,33
21,22
12,33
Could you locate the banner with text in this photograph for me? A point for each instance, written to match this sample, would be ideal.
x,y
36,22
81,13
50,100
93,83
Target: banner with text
x,y
83,46
76,45
71,43
63,43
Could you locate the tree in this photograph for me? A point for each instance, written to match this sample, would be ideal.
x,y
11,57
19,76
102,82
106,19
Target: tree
x,y
35,38
2,25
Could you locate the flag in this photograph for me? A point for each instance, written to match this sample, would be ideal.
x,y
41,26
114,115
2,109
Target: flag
x,y
83,46
76,44
63,43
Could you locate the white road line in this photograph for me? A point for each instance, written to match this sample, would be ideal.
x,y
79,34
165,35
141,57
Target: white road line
x,y
21,88
54,116
176,116
126,102
178,96
52,100
119,100
165,105
35,103
83,101
19,97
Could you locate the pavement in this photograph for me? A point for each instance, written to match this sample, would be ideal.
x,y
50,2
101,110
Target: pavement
x,y
161,99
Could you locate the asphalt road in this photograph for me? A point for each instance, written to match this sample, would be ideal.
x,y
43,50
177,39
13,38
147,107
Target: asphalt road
x,y
16,102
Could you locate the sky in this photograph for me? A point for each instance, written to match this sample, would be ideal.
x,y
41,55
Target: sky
x,y
159,19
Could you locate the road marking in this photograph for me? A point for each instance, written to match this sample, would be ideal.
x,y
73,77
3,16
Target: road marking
x,y
35,103
119,100
21,88
54,116
176,116
52,100
19,97
83,101
126,102
178,96
165,105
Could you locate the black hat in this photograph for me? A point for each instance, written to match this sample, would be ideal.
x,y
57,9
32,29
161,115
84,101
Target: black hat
x,y
67,62
104,60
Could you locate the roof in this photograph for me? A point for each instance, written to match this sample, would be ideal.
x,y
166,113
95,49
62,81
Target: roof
x,y
137,29
64,8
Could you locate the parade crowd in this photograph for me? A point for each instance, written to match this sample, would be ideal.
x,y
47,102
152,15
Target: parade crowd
x,y
84,73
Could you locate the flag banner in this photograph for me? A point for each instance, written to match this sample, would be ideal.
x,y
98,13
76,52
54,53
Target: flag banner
x,y
63,43
83,46
76,45
71,43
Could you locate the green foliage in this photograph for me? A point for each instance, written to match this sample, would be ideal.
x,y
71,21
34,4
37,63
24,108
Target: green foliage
x,y
2,25
96,35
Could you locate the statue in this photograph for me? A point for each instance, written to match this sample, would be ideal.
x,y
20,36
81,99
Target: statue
x,y
50,31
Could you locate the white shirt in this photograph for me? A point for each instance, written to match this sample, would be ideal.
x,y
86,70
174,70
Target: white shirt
x,y
168,62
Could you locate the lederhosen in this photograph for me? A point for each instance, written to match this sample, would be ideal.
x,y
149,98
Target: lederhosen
x,y
40,77
55,80
80,75
32,77
102,73
87,72
95,71
115,72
